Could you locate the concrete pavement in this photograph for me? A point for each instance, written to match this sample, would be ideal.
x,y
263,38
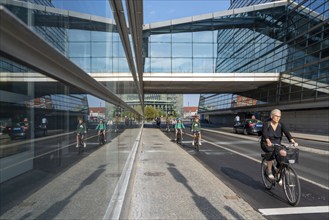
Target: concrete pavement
x,y
170,184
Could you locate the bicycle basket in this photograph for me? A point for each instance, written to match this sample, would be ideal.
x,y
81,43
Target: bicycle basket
x,y
292,156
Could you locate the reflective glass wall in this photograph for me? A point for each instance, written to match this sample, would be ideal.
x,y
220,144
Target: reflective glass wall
x,y
43,174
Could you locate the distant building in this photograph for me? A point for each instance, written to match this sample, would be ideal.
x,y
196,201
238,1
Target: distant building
x,y
190,112
96,113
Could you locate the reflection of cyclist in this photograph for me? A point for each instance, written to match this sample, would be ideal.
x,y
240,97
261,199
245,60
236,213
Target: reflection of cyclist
x,y
196,129
81,131
178,127
101,127
272,134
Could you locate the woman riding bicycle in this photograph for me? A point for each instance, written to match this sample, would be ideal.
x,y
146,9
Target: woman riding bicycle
x,y
179,127
272,134
196,129
81,132
101,128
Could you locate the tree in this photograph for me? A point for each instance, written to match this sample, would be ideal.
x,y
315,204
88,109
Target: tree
x,y
150,112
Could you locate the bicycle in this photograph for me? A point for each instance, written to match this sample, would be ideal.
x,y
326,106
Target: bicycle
x,y
81,143
196,140
101,138
179,136
282,169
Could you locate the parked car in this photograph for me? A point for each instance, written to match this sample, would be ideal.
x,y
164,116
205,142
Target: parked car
x,y
248,126
23,130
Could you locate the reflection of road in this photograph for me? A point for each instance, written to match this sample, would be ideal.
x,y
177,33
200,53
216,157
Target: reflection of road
x,y
49,151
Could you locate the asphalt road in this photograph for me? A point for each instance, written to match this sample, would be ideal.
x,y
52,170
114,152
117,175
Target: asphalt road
x,y
236,161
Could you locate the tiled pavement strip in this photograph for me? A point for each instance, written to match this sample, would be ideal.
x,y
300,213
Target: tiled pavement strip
x,y
170,184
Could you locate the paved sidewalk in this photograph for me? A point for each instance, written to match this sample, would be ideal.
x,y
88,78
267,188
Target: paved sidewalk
x,y
170,184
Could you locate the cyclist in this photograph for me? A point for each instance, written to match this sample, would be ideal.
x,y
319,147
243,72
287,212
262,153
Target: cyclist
x,y
167,124
101,128
179,126
196,129
81,131
272,133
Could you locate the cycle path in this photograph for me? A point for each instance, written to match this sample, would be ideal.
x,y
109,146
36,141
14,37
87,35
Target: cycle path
x,y
170,184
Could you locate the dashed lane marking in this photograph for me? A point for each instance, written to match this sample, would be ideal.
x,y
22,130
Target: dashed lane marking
x,y
295,210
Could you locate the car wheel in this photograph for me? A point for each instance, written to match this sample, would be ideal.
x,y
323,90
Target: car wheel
x,y
245,131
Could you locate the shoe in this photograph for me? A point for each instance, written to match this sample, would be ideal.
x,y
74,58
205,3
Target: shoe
x,y
77,146
200,143
280,182
84,145
192,143
270,175
175,139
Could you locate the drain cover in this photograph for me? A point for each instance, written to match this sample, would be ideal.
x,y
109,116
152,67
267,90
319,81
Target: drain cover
x,y
154,174
158,144
232,197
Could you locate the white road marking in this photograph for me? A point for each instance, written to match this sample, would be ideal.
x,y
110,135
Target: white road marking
x,y
295,210
259,161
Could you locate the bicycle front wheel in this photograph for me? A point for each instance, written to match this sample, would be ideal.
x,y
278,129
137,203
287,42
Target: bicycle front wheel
x,y
267,182
291,186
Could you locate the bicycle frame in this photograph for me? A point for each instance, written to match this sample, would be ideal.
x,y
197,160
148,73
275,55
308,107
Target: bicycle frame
x,y
179,136
196,140
282,170
80,142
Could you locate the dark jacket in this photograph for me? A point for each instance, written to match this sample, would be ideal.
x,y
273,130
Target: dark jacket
x,y
275,136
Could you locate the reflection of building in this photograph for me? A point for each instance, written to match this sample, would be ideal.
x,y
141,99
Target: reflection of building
x,y
97,112
190,112
171,104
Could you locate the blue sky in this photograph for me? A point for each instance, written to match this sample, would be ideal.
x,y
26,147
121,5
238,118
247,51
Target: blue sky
x,y
154,11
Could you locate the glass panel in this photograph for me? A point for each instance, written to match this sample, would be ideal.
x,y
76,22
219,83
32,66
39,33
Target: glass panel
x,y
79,49
204,36
102,65
160,38
181,49
83,63
78,35
120,65
180,65
160,49
101,36
203,65
118,50
101,49
160,65
202,50
182,37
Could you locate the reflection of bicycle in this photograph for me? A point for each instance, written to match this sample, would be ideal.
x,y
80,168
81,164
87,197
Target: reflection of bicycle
x,y
168,127
283,172
81,142
101,138
179,136
196,140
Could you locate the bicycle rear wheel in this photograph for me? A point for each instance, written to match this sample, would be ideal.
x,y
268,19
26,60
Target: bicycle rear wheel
x,y
178,140
196,143
267,182
291,186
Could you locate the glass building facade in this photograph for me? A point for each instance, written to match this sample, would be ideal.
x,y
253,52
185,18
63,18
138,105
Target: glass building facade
x,y
290,40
